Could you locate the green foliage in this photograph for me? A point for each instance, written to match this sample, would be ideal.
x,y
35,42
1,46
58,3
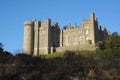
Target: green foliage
x,y
110,47
100,45
53,55
113,41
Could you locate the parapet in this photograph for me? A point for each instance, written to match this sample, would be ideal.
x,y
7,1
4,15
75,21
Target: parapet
x,y
28,23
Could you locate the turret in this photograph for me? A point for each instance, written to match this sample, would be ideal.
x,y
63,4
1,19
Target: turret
x,y
36,37
92,17
75,25
28,45
92,27
47,22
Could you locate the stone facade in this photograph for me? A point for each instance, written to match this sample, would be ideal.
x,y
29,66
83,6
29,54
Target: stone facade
x,y
43,38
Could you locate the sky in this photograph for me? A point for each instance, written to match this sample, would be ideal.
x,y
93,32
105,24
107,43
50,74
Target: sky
x,y
13,13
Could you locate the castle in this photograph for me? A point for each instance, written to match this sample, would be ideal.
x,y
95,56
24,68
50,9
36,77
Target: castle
x,y
44,37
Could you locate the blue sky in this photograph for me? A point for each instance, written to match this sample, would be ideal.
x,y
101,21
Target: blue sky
x,y
13,13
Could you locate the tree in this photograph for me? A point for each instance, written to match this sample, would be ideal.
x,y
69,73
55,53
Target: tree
x,y
23,59
100,45
113,41
1,47
112,46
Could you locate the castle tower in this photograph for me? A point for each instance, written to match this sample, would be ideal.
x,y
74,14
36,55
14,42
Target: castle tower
x,y
48,35
28,44
44,37
61,38
36,37
92,27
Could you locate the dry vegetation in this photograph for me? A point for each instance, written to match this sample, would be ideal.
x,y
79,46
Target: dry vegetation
x,y
102,64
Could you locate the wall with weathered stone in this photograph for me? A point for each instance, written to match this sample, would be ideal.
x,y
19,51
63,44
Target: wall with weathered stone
x,y
43,38
36,36
73,48
28,45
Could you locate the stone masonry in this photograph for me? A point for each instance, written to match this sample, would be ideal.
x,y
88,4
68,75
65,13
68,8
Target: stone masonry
x,y
43,38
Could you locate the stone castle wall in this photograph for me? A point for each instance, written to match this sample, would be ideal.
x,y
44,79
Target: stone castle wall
x,y
77,47
28,44
44,37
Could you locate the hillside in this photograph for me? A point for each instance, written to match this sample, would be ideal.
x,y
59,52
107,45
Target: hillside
x,y
102,64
